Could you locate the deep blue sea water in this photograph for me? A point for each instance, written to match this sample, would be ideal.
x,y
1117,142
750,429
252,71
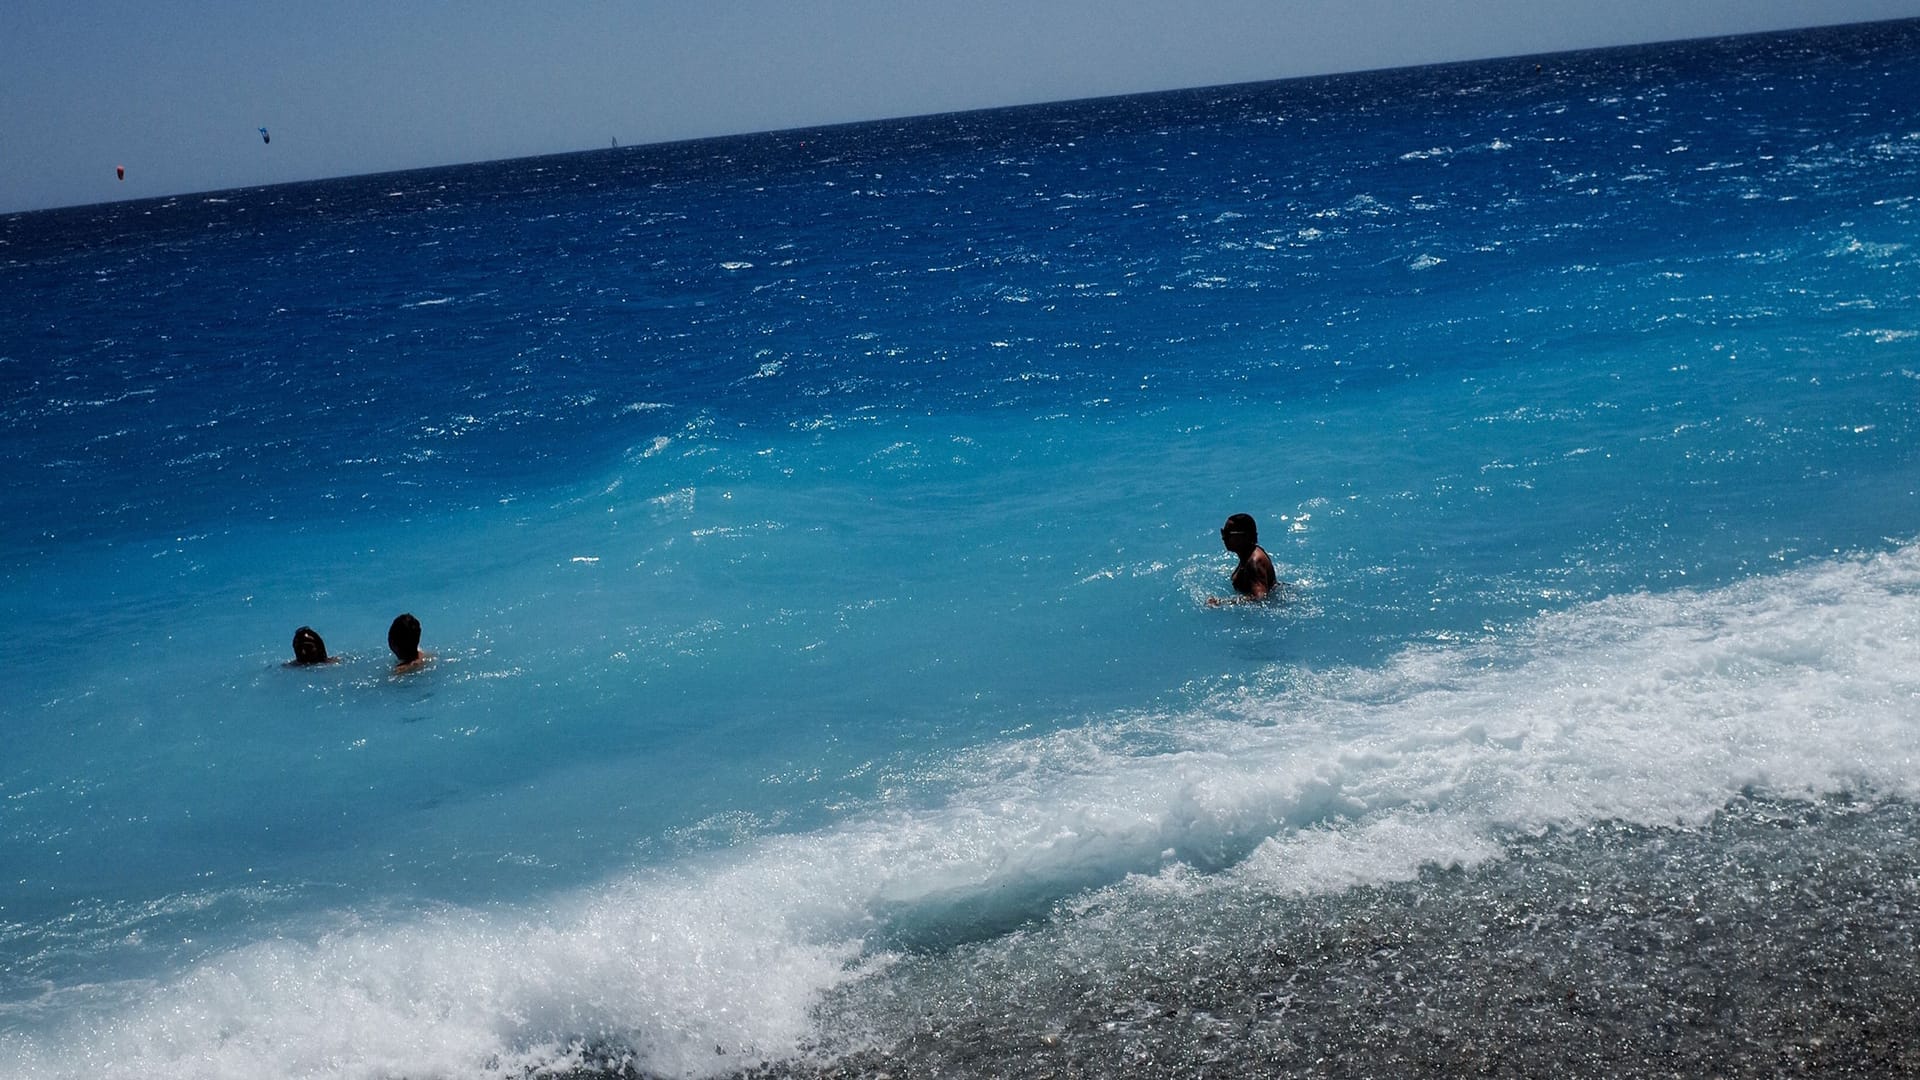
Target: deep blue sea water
x,y
815,532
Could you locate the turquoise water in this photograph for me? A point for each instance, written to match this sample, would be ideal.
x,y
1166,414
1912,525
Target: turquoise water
x,y
815,533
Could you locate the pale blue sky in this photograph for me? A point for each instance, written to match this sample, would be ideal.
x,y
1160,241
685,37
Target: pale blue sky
x,y
174,91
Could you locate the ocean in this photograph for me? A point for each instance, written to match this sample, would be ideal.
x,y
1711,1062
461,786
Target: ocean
x,y
815,533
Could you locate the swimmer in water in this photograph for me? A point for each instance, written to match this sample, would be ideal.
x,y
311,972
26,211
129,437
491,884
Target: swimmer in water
x,y
1254,578
403,637
309,649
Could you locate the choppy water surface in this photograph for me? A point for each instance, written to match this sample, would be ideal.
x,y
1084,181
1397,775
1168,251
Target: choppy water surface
x,y
816,530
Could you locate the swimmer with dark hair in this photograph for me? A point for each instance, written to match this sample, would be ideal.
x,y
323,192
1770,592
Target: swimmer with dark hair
x,y
309,649
403,637
1254,578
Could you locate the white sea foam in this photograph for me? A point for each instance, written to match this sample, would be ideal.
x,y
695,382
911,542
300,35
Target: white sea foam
x,y
1654,709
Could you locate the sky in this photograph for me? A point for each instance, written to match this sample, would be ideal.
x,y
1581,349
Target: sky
x,y
175,92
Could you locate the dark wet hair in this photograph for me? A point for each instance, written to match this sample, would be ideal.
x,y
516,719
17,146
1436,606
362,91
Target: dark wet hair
x,y
1241,524
403,637
307,647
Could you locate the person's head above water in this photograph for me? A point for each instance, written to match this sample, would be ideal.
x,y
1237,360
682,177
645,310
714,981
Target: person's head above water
x,y
308,648
1255,577
1239,534
403,637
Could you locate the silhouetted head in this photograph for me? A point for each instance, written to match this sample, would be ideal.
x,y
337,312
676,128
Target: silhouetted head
x,y
1239,535
403,637
307,647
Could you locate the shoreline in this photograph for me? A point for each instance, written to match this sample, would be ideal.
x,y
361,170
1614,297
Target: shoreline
x,y
1776,940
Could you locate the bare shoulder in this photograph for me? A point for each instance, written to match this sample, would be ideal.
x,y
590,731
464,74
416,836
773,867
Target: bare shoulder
x,y
414,664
